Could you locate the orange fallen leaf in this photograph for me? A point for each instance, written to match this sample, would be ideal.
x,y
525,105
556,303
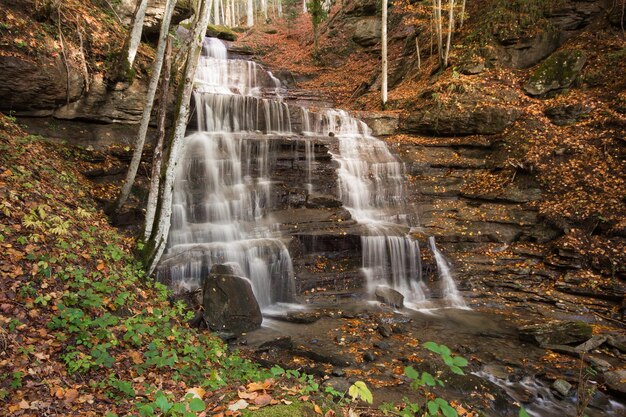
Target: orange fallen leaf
x,y
70,396
263,400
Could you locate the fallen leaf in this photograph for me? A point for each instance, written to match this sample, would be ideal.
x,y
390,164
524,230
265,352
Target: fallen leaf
x,y
247,395
239,405
263,400
70,396
136,357
317,408
197,392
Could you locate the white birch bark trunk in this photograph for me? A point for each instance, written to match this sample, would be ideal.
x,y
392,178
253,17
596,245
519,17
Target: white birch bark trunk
x,y
462,15
250,21
417,49
157,158
304,9
383,84
450,30
199,28
147,110
135,33
216,12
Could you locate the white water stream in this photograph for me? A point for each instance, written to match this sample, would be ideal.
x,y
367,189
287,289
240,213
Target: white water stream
x,y
223,187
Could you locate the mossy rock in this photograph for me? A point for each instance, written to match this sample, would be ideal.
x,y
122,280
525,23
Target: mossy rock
x,y
557,72
221,32
282,410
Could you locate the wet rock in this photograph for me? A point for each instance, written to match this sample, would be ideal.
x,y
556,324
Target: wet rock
x,y
618,341
384,330
369,357
322,355
556,333
616,381
498,371
367,32
338,372
361,8
594,342
338,384
556,73
229,302
322,201
399,328
382,124
562,387
382,345
283,342
598,364
566,114
389,296
300,317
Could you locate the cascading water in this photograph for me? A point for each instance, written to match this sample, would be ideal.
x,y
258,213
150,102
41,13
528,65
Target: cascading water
x,y
449,289
223,187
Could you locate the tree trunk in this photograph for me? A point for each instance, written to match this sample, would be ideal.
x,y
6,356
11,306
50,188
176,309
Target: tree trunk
x,y
157,243
450,30
250,21
417,49
157,159
383,83
147,110
462,15
135,33
216,12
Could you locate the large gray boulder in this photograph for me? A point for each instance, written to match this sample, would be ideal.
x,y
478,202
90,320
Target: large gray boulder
x,y
228,301
389,296
556,333
154,13
367,32
556,73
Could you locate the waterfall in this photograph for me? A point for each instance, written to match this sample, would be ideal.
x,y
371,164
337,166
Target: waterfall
x,y
449,290
223,189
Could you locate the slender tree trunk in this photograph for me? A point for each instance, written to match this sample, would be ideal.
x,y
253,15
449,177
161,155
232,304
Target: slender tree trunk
x,y
304,10
280,8
250,21
147,110
462,15
216,12
417,49
383,83
438,29
222,9
158,240
450,30
135,33
157,159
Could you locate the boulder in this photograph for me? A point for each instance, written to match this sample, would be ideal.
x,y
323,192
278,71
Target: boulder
x,y
556,73
382,124
616,381
562,387
361,8
474,112
322,201
556,333
367,32
228,300
221,32
389,296
567,114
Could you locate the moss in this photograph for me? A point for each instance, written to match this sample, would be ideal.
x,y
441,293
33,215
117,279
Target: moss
x,y
557,72
221,32
283,410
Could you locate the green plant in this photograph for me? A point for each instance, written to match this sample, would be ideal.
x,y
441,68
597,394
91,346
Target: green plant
x,y
423,383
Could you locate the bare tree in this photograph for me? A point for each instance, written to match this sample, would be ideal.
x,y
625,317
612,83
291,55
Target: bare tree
x,y
156,244
157,158
383,84
147,110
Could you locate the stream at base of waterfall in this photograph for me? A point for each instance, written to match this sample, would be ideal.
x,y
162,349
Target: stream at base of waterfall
x,y
223,199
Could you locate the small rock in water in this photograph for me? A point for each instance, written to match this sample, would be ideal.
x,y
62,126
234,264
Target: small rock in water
x,y
389,296
562,387
616,381
382,345
283,342
384,330
369,357
338,372
598,364
399,329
